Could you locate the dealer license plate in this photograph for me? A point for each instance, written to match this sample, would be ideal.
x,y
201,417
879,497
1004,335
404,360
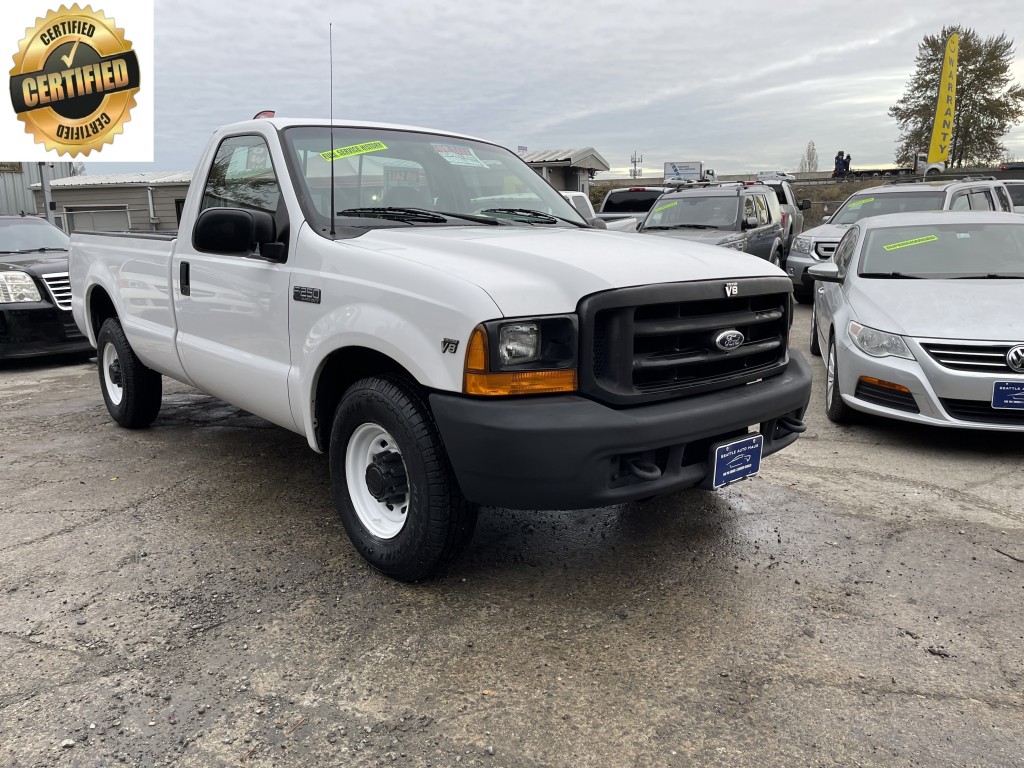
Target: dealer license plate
x,y
735,460
1008,394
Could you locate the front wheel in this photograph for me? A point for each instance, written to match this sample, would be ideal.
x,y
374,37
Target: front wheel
x,y
393,486
813,343
131,391
836,410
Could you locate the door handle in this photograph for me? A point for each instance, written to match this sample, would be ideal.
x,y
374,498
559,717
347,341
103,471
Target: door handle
x,y
821,290
183,279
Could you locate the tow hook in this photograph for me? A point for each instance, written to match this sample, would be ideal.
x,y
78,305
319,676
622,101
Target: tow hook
x,y
643,470
792,424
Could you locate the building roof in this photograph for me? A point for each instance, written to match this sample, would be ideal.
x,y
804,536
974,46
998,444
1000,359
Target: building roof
x,y
584,157
144,179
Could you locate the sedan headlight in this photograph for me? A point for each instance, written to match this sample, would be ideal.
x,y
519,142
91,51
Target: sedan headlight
x,y
17,287
801,245
520,357
879,343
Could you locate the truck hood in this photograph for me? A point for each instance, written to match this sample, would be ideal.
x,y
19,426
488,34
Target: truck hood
x,y
985,309
826,232
708,236
529,271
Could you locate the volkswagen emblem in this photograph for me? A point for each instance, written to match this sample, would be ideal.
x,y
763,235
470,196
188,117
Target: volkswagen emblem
x,y
731,339
1015,358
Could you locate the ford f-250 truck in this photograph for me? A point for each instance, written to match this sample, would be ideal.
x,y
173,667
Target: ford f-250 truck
x,y
437,318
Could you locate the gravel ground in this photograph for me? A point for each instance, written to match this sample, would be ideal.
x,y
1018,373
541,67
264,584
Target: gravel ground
x,y
184,595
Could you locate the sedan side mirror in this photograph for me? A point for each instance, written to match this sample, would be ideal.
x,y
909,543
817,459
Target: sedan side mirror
x,y
826,273
825,219
805,204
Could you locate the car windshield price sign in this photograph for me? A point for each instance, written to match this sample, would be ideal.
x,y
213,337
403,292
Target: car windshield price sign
x,y
735,460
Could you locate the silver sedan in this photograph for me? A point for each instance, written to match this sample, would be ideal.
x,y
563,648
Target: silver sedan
x,y
920,317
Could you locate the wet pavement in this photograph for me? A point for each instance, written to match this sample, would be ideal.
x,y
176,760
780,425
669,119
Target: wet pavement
x,y
184,595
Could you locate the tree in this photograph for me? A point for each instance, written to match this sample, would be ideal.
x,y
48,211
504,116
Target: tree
x,y
809,159
988,102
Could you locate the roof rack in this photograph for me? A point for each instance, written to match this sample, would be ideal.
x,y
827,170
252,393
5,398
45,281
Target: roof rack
x,y
976,178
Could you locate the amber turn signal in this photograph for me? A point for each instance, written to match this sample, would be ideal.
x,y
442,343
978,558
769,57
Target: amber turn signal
x,y
478,380
884,383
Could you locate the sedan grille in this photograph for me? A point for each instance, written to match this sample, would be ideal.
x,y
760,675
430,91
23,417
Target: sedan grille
x,y
977,357
659,342
59,286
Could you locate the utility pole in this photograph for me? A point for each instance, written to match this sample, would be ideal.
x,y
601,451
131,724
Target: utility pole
x,y
636,160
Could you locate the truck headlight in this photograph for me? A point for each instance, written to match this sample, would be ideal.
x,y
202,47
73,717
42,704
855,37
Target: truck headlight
x,y
879,343
801,245
17,287
521,357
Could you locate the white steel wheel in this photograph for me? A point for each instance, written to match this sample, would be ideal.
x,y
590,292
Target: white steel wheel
x,y
377,479
110,366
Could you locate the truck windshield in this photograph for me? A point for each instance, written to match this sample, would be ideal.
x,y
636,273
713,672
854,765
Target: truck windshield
x,y
861,206
377,169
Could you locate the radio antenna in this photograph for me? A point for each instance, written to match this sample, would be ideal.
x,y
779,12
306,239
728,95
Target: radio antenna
x,y
330,45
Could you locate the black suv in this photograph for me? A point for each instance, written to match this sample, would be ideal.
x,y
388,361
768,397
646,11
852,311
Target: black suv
x,y
733,215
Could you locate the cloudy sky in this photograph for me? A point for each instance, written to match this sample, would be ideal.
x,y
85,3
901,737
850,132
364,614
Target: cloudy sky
x,y
739,85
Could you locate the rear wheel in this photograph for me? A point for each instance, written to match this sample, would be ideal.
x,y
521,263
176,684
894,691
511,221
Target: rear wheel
x,y
393,486
836,410
131,391
774,259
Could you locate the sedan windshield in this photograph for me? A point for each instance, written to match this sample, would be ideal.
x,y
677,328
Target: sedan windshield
x,y
868,204
387,178
961,250
708,212
28,234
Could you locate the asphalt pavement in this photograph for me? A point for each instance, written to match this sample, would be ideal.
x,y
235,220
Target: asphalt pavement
x,y
185,595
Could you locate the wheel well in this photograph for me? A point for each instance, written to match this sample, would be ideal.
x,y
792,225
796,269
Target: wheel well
x,y
342,369
101,308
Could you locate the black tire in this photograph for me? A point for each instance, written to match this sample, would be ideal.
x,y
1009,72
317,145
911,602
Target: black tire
x,y
775,259
409,537
813,343
837,411
803,296
132,391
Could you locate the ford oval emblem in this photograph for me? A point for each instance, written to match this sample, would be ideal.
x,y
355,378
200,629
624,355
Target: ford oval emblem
x,y
729,340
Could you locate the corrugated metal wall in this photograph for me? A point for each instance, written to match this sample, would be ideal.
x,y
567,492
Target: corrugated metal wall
x,y
15,179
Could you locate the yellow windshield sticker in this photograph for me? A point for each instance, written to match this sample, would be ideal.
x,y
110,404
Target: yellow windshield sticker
x,y
666,205
915,241
855,203
353,149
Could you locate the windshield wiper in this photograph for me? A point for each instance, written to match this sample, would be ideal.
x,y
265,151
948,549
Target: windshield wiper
x,y
408,215
890,276
989,276
530,213
685,226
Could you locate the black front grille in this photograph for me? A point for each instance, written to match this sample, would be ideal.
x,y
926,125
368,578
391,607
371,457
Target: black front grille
x,y
886,396
981,411
658,342
981,357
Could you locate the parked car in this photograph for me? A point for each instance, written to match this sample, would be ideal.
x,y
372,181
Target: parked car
x,y
792,211
784,175
817,244
733,215
1016,190
1012,165
35,293
895,347
629,202
581,202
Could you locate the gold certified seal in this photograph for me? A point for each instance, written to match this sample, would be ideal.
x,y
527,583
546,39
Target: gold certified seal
x,y
74,80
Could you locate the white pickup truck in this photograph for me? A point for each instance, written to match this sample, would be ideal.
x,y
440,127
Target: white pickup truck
x,y
581,202
427,310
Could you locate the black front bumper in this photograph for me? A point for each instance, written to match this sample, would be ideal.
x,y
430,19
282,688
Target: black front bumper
x,y
36,329
568,452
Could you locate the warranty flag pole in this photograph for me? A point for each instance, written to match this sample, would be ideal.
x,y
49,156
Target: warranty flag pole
x,y
945,104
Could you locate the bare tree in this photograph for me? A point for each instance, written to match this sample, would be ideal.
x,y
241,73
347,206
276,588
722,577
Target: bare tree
x,y
809,159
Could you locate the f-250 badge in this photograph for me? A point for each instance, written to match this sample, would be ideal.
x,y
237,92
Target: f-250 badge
x,y
74,80
449,345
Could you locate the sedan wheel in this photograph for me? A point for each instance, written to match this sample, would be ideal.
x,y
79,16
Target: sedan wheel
x,y
836,410
813,341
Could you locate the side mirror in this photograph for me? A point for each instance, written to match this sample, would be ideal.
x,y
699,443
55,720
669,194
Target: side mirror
x,y
237,231
750,222
825,219
805,204
597,223
826,273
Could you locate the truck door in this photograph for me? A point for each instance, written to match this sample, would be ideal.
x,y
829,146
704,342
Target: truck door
x,y
232,309
764,235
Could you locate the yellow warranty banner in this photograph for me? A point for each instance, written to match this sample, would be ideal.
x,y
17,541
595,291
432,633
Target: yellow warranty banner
x,y
945,105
